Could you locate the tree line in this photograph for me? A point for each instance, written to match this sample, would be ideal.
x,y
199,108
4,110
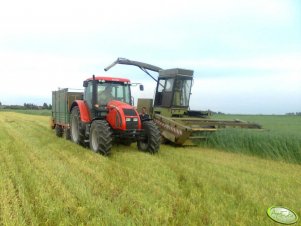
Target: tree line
x,y
27,106
294,113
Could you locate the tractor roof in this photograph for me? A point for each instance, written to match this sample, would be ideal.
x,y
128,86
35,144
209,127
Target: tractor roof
x,y
109,79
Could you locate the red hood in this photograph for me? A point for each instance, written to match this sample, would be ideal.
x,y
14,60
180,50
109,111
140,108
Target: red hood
x,y
119,104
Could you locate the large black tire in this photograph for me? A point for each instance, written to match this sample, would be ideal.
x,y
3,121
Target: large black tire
x,y
152,140
100,137
76,132
59,130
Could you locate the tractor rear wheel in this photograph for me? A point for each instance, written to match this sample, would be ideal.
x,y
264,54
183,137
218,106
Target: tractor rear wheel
x,y
59,130
151,142
100,137
76,133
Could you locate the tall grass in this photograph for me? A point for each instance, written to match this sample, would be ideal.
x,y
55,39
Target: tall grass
x,y
280,139
267,144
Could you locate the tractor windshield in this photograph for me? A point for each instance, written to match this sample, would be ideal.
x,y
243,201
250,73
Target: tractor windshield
x,y
113,91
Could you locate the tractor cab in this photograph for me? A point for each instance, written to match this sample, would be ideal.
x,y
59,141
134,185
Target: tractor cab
x,y
99,91
173,91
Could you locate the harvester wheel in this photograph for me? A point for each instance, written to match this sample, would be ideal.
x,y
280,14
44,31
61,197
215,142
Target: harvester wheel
x,y
100,137
77,135
59,130
152,140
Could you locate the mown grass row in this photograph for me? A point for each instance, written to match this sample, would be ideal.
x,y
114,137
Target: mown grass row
x,y
44,112
45,180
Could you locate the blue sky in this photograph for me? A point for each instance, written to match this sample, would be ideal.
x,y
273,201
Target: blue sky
x,y
246,55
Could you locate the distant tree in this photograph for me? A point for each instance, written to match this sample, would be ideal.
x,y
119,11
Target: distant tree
x,y
290,113
30,106
45,106
49,106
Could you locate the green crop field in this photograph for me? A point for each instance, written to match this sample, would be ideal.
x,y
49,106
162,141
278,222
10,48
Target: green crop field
x,y
279,139
45,180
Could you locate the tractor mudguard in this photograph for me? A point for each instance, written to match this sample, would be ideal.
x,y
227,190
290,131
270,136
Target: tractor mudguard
x,y
83,109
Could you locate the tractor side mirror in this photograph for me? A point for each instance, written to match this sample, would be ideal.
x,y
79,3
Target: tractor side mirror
x,y
85,84
141,87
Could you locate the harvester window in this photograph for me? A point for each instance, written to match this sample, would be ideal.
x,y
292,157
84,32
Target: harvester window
x,y
161,85
169,85
182,92
160,89
186,92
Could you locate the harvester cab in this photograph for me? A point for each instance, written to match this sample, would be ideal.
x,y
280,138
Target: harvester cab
x,y
173,92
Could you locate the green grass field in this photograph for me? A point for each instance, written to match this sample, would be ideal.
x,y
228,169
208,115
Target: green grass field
x,y
280,138
45,180
44,112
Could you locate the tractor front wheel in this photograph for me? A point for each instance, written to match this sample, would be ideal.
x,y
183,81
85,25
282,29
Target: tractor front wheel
x,y
100,137
76,133
152,138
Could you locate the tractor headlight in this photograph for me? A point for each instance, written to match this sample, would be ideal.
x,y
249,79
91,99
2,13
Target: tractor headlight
x,y
131,119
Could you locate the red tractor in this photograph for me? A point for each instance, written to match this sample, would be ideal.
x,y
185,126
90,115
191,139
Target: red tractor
x,y
101,115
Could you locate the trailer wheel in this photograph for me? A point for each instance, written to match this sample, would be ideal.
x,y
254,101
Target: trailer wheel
x,y
67,134
152,140
77,135
59,130
100,137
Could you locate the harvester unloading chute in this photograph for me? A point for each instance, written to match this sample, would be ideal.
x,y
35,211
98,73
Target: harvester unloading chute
x,y
143,66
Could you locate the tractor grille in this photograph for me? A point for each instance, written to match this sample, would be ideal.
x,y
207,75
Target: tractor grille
x,y
129,112
131,125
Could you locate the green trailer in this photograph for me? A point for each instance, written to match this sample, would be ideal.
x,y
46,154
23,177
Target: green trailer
x,y
61,104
